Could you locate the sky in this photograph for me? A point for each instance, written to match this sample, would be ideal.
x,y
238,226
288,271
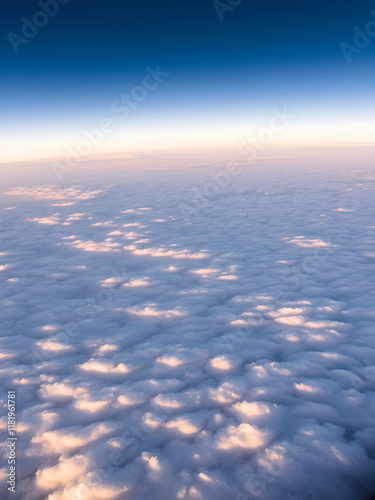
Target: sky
x,y
187,250
228,68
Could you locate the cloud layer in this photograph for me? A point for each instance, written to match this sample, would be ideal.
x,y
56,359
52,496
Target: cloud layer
x,y
225,355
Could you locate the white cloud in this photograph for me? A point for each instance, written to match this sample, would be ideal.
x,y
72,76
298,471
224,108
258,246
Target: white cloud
x,y
246,436
105,367
156,313
66,471
303,242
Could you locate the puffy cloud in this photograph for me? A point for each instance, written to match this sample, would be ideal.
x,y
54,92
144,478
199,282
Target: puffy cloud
x,y
156,313
303,242
105,367
137,282
51,221
246,436
65,471
223,363
65,440
91,246
162,252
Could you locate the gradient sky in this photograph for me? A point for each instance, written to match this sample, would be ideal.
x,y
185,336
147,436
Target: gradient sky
x,y
225,76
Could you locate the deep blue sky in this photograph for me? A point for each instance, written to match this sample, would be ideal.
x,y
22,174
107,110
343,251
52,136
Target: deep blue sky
x,y
262,55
